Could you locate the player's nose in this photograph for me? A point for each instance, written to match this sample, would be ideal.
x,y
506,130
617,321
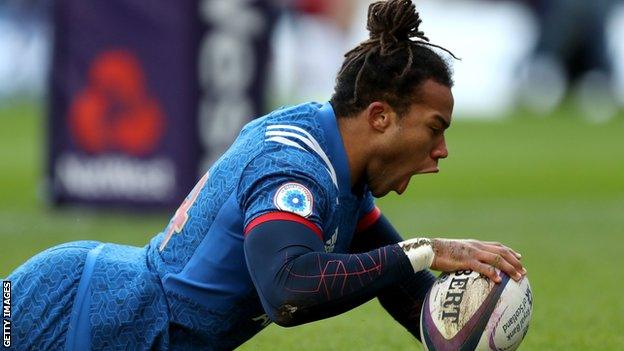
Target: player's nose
x,y
440,151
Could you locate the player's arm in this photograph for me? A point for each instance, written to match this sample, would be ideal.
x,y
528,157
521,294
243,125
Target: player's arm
x,y
298,282
403,300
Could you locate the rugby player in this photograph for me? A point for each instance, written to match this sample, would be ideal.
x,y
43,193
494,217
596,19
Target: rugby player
x,y
283,227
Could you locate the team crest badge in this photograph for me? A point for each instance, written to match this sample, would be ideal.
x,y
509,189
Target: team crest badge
x,y
295,198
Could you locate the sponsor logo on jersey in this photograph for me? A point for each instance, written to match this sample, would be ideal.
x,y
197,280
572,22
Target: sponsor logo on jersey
x,y
295,198
330,244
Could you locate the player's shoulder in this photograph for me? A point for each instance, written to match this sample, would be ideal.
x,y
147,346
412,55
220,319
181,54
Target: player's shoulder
x,y
292,134
293,141
301,111
284,158
301,119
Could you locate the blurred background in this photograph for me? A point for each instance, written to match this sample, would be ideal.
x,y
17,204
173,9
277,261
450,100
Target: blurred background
x,y
110,111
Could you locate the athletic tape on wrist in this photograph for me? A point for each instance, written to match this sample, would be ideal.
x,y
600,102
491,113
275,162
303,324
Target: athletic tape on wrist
x,y
419,251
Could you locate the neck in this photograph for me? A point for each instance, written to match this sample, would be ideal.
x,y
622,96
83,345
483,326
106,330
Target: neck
x,y
354,140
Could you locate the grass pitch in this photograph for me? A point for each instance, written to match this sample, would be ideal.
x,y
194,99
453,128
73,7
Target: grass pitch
x,y
550,188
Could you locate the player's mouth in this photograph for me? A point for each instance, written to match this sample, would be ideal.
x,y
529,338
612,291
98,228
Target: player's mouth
x,y
403,185
433,169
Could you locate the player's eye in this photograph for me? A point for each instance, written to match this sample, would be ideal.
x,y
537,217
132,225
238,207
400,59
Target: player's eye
x,y
436,131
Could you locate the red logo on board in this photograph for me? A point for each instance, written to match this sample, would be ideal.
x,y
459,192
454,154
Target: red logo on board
x,y
114,111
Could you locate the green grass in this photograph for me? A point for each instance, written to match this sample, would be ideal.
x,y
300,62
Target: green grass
x,y
551,188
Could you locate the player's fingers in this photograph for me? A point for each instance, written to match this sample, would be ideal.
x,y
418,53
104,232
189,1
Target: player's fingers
x,y
497,261
514,260
487,270
499,245
509,256
513,252
493,243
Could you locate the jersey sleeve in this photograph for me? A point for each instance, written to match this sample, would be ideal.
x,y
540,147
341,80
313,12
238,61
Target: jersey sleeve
x,y
286,184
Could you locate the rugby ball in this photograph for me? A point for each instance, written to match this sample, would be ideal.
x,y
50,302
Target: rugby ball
x,y
465,310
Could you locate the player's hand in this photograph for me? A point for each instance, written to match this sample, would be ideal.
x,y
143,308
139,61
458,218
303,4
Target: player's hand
x,y
479,256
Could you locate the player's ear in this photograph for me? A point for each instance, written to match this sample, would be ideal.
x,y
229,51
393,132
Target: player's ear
x,y
380,116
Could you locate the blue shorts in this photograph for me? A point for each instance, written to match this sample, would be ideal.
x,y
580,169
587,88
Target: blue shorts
x,y
43,293
87,295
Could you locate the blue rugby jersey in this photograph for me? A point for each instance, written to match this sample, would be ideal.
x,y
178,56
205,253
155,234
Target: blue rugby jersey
x,y
292,160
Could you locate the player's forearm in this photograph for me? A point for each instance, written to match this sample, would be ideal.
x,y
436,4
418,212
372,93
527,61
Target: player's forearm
x,y
322,285
298,283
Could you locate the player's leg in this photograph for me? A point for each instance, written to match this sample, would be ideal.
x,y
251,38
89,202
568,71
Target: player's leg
x,y
43,293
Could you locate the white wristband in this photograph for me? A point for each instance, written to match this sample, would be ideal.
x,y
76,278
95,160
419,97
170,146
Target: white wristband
x,y
419,251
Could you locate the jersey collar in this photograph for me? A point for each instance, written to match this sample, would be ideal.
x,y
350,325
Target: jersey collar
x,y
336,151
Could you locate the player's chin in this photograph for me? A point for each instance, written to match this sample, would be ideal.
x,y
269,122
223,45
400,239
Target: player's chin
x,y
399,191
401,187
381,191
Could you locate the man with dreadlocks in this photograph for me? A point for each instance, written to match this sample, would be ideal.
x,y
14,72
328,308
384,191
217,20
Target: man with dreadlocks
x,y
282,228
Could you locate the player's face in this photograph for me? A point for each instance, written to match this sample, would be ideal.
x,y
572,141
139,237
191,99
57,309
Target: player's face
x,y
414,143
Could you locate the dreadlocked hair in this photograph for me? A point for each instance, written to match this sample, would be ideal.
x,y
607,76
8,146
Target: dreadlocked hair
x,y
392,64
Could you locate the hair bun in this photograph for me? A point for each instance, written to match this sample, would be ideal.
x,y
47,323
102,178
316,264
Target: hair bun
x,y
396,20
